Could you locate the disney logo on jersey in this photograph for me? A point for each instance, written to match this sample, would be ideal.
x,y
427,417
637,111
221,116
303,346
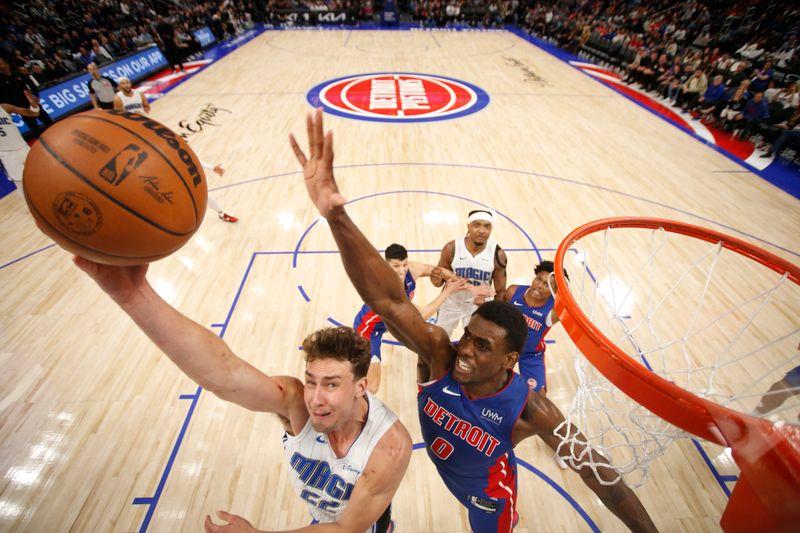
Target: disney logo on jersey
x,y
398,97
491,416
347,467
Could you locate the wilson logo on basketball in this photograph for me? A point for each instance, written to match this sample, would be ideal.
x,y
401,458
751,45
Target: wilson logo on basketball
x,y
398,97
121,165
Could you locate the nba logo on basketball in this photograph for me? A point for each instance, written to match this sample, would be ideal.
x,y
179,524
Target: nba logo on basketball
x,y
398,97
122,164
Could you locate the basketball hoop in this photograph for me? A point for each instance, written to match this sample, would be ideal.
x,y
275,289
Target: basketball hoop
x,y
670,357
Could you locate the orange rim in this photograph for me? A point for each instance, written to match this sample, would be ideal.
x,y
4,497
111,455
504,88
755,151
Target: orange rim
x,y
767,454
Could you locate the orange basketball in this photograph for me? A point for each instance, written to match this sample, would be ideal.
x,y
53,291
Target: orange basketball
x,y
116,188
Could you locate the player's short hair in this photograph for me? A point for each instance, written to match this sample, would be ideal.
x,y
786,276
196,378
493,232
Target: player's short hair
x,y
548,266
396,251
509,318
342,344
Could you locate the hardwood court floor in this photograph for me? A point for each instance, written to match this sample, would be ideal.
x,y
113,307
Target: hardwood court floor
x,y
90,411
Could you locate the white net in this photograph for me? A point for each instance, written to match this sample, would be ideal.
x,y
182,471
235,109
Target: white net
x,y
708,319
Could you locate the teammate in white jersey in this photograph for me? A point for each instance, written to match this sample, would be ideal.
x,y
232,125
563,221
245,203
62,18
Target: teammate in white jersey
x,y
13,148
475,257
356,448
130,100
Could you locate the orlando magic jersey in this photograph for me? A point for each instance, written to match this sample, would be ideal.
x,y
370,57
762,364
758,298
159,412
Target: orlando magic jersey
x,y
366,321
470,442
132,103
325,481
476,269
538,320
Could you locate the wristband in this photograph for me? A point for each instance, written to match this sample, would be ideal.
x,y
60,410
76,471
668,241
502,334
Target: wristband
x,y
35,109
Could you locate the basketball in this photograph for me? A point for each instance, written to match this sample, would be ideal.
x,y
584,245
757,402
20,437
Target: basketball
x,y
115,188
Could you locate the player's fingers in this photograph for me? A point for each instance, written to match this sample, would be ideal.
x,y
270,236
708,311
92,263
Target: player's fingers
x,y
317,135
226,516
85,265
327,149
310,134
210,526
298,152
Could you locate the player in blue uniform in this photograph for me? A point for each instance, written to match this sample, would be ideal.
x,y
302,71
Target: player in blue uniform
x,y
476,409
535,302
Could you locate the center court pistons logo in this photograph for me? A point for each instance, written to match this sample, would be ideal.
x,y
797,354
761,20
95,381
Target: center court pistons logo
x,y
398,97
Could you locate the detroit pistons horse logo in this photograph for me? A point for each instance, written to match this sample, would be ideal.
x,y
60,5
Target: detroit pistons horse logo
x,y
398,97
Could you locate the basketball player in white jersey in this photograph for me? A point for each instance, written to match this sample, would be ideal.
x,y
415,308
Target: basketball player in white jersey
x,y
212,203
129,99
347,452
475,257
13,148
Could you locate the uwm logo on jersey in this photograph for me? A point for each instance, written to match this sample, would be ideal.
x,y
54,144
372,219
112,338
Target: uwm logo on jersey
x,y
398,97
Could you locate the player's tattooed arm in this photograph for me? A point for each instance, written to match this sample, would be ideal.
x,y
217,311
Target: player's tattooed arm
x,y
500,276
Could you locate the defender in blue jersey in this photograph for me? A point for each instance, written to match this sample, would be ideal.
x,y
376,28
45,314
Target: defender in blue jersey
x,y
476,409
535,302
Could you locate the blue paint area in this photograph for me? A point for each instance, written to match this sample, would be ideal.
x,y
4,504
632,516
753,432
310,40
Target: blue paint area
x,y
778,173
313,97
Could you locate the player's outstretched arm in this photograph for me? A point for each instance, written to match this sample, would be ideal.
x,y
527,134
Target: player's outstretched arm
x,y
541,417
423,270
499,274
507,294
452,286
198,352
373,278
371,496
